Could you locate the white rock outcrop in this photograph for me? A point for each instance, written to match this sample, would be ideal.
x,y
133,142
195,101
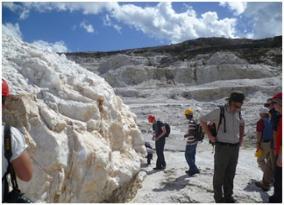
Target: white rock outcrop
x,y
83,139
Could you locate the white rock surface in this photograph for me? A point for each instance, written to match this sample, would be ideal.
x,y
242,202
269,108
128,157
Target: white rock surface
x,y
85,143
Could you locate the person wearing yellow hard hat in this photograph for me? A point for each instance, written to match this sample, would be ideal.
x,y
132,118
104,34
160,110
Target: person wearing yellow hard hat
x,y
191,143
264,152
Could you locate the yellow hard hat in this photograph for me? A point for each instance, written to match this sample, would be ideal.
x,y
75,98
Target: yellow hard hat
x,y
188,111
259,153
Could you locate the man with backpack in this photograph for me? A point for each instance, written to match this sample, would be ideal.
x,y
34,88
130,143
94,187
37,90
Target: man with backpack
x,y
15,160
191,143
264,136
161,131
230,133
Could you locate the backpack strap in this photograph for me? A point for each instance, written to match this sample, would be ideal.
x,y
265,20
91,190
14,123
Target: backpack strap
x,y
222,116
8,155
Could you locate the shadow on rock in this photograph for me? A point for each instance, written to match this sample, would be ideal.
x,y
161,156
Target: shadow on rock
x,y
169,185
251,187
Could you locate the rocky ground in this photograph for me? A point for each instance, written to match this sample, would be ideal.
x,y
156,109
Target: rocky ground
x,y
174,186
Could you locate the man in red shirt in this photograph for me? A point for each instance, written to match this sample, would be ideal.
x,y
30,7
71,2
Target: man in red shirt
x,y
277,195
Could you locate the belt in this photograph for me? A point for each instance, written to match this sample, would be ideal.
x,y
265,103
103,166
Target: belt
x,y
227,144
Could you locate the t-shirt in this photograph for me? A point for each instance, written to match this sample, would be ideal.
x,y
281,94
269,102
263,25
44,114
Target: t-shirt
x,y
233,123
190,137
264,126
259,126
274,118
18,147
157,128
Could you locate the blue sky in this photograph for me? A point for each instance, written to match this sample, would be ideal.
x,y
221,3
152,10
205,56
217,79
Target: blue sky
x,y
116,26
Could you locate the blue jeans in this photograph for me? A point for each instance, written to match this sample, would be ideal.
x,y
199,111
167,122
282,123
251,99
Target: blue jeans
x,y
190,152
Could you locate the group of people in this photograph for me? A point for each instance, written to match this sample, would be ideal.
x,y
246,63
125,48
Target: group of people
x,y
269,146
225,128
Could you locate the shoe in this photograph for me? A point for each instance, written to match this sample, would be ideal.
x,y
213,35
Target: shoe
x,y
273,199
230,200
222,200
187,172
191,173
262,186
158,168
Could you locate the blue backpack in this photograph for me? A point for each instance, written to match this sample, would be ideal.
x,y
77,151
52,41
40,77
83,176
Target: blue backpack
x,y
267,133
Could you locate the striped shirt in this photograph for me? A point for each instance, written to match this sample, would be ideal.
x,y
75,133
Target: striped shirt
x,y
190,136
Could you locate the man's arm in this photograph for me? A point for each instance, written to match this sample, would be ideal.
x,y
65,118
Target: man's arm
x,y
164,131
258,139
23,166
242,134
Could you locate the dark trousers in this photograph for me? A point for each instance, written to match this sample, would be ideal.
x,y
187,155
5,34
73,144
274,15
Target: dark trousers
x,y
190,152
149,158
277,196
160,145
225,163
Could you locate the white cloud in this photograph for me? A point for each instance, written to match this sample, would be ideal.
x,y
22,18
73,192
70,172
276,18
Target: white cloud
x,y
88,27
108,22
163,22
236,6
58,46
264,18
24,8
12,30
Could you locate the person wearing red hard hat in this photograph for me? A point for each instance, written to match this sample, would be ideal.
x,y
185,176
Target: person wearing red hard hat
x,y
277,195
159,136
15,159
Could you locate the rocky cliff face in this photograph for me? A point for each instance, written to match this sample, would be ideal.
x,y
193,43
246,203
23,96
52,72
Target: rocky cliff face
x,y
83,140
192,62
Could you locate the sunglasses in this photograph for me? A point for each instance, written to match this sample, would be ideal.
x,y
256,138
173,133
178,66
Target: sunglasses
x,y
268,104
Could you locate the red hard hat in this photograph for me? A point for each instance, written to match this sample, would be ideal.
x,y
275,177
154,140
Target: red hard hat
x,y
151,118
5,88
277,96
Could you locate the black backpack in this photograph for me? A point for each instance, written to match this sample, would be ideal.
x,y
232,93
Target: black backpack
x,y
199,134
14,196
168,129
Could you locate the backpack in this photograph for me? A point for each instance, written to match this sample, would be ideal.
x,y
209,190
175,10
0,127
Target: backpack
x,y
14,196
222,116
267,133
199,134
168,129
